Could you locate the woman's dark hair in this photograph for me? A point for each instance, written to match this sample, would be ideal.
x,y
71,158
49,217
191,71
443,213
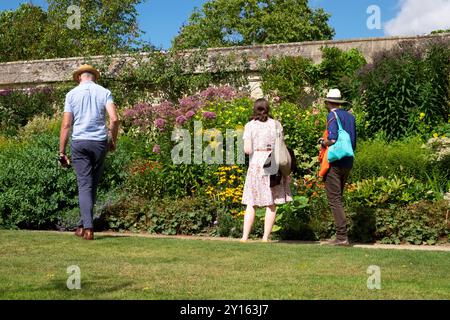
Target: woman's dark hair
x,y
261,110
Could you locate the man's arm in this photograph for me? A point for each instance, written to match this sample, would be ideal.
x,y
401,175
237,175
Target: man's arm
x,y
65,130
113,125
66,125
332,131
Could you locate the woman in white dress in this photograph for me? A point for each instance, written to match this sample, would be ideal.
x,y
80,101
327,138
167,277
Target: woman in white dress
x,y
259,140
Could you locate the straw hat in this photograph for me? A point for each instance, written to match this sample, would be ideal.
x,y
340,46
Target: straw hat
x,y
86,68
334,95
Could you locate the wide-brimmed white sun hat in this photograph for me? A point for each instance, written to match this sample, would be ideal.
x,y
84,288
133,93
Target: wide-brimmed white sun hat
x,y
334,95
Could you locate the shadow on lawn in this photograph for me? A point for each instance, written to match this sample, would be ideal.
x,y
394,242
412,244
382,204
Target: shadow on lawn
x,y
89,287
108,236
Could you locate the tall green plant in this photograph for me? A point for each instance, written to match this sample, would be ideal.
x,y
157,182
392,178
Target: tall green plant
x,y
405,86
289,78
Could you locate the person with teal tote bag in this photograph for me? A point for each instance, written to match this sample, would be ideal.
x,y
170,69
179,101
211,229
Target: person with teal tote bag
x,y
343,146
340,146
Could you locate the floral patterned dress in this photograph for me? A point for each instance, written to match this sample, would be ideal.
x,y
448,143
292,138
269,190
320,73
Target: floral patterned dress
x,y
257,190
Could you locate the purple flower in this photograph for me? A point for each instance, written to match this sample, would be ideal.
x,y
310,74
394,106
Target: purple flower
x,y
190,103
181,120
159,123
209,115
6,92
226,93
139,115
190,114
164,110
156,148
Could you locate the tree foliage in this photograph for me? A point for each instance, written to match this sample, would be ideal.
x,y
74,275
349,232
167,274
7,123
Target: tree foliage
x,y
106,27
222,23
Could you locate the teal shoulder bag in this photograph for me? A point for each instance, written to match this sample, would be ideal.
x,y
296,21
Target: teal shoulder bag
x,y
343,146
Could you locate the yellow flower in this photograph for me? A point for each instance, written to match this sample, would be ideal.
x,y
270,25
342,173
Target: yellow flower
x,y
199,132
422,115
214,144
435,135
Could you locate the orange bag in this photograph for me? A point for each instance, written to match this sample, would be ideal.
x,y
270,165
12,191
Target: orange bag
x,y
323,158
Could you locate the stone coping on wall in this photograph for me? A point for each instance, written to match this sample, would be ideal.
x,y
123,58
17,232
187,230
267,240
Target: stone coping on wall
x,y
39,72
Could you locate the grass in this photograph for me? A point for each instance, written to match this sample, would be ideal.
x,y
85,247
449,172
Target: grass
x,y
33,266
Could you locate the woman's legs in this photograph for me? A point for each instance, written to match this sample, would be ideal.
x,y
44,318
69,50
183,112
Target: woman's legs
x,y
248,221
269,221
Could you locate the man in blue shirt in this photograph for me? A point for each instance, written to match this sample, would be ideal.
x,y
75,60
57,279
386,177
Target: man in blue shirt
x,y
85,110
339,170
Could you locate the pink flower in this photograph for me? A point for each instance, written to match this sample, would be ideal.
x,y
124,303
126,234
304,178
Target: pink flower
x,y
181,120
315,111
209,115
226,93
190,103
159,123
5,92
190,114
156,148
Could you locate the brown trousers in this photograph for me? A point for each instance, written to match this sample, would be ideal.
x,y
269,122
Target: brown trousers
x,y
334,185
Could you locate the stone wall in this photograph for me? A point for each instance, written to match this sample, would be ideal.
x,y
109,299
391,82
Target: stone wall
x,y
41,72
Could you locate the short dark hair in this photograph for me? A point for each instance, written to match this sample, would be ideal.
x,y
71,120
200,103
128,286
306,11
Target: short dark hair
x,y
261,110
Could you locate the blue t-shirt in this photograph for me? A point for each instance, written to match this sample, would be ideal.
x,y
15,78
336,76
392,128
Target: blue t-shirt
x,y
88,103
349,125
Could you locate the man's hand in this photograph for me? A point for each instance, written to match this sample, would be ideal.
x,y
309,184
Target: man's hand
x,y
320,141
64,160
113,126
111,145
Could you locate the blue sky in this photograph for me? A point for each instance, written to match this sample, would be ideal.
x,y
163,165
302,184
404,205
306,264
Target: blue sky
x,y
162,19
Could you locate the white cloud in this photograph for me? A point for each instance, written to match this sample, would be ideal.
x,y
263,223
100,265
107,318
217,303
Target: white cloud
x,y
419,17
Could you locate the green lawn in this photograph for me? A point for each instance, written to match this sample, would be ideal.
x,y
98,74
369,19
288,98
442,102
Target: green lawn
x,y
33,266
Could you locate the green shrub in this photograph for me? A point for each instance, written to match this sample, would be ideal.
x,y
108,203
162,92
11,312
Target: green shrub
x,y
294,220
422,223
298,80
228,225
35,192
288,78
33,188
378,158
441,157
192,215
338,69
67,220
41,124
116,164
384,192
405,87
17,107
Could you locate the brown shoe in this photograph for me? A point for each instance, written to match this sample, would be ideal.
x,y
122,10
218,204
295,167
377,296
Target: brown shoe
x,y
88,234
79,232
